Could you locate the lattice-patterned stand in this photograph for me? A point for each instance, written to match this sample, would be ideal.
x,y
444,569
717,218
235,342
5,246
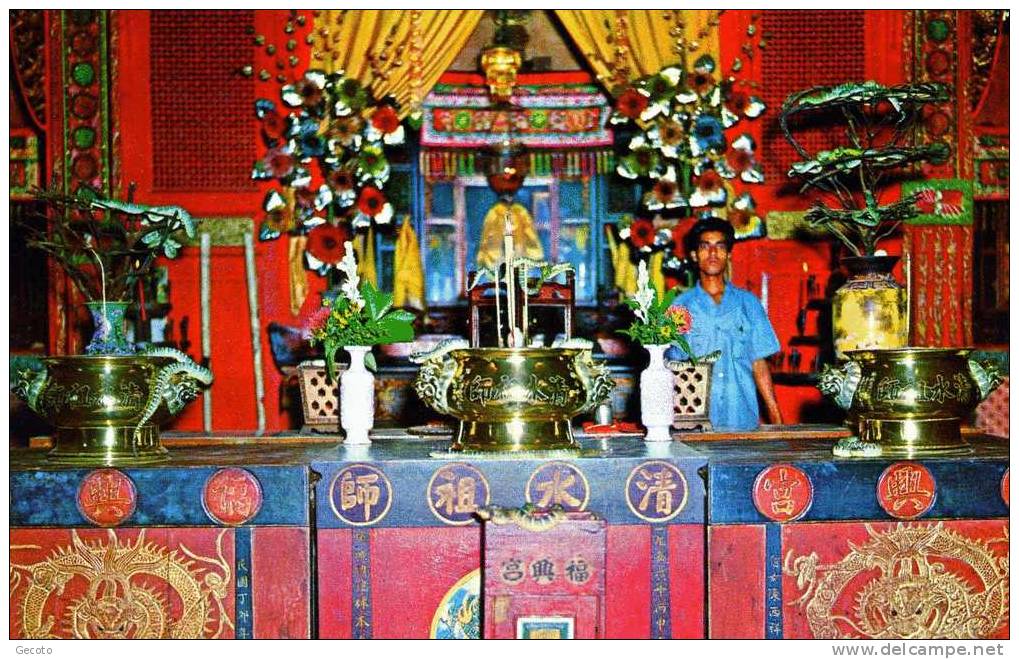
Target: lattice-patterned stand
x,y
320,397
692,395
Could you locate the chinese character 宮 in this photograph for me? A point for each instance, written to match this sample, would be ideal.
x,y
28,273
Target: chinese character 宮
x,y
512,570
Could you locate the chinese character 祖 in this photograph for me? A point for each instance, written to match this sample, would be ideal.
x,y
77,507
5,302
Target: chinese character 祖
x,y
457,497
359,490
543,571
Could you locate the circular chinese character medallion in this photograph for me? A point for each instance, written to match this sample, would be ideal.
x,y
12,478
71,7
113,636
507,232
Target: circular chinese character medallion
x,y
558,483
906,490
360,494
783,493
656,491
1004,488
107,497
456,491
232,496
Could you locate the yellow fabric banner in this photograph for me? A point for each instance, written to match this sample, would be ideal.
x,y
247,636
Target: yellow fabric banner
x,y
624,272
622,45
364,249
408,275
401,53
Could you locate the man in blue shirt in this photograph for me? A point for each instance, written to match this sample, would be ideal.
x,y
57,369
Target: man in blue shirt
x,y
731,320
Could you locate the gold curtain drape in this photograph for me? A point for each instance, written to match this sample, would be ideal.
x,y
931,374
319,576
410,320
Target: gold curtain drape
x,y
622,45
401,53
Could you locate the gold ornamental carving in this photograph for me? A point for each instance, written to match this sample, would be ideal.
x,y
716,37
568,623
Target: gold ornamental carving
x,y
116,589
911,581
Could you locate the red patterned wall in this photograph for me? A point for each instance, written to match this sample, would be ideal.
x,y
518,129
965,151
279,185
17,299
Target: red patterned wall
x,y
201,104
805,48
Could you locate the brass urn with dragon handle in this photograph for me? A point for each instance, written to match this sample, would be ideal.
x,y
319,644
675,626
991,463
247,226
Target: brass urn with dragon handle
x,y
512,399
107,409
908,401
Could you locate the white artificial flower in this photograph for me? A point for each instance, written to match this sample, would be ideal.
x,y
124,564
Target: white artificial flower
x,y
351,282
645,294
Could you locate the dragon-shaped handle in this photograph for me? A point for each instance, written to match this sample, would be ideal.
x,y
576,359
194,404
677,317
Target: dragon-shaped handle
x,y
436,374
840,384
597,381
177,384
28,376
986,374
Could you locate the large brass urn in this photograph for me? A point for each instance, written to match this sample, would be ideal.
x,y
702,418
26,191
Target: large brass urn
x,y
107,408
512,399
909,401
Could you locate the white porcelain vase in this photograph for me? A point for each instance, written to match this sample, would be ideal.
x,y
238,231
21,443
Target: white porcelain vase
x,y
357,398
657,383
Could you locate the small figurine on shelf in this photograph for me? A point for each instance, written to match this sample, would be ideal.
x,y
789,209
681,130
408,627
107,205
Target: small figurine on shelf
x,y
657,325
357,318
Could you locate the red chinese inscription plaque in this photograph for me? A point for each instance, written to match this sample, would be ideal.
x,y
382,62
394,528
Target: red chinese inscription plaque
x,y
783,493
106,497
1004,487
906,490
232,496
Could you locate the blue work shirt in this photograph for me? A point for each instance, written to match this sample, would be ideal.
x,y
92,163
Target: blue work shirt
x,y
739,327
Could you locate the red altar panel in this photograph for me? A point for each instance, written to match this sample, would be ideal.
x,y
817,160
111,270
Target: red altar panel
x,y
736,581
280,562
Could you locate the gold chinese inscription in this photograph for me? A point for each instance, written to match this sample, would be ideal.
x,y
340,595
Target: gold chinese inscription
x,y
361,494
558,484
656,491
922,581
123,590
456,491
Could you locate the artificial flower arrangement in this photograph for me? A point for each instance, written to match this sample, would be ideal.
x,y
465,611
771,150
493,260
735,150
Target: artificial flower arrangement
x,y
108,248
683,157
657,322
879,124
328,155
359,315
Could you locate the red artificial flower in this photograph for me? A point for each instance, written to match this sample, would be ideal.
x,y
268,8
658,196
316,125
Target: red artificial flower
x,y
325,242
664,190
309,92
305,197
273,125
370,201
702,82
681,316
385,120
679,231
739,159
739,219
340,180
279,163
316,321
631,103
709,180
737,102
642,233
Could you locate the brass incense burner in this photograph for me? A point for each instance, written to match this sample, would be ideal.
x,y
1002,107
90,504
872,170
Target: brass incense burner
x,y
512,399
107,409
908,401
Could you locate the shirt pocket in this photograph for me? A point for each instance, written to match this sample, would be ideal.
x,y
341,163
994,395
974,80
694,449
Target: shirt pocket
x,y
737,329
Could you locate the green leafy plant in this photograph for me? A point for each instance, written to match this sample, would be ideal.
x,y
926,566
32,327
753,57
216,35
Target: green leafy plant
x,y
106,246
657,321
879,123
359,315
